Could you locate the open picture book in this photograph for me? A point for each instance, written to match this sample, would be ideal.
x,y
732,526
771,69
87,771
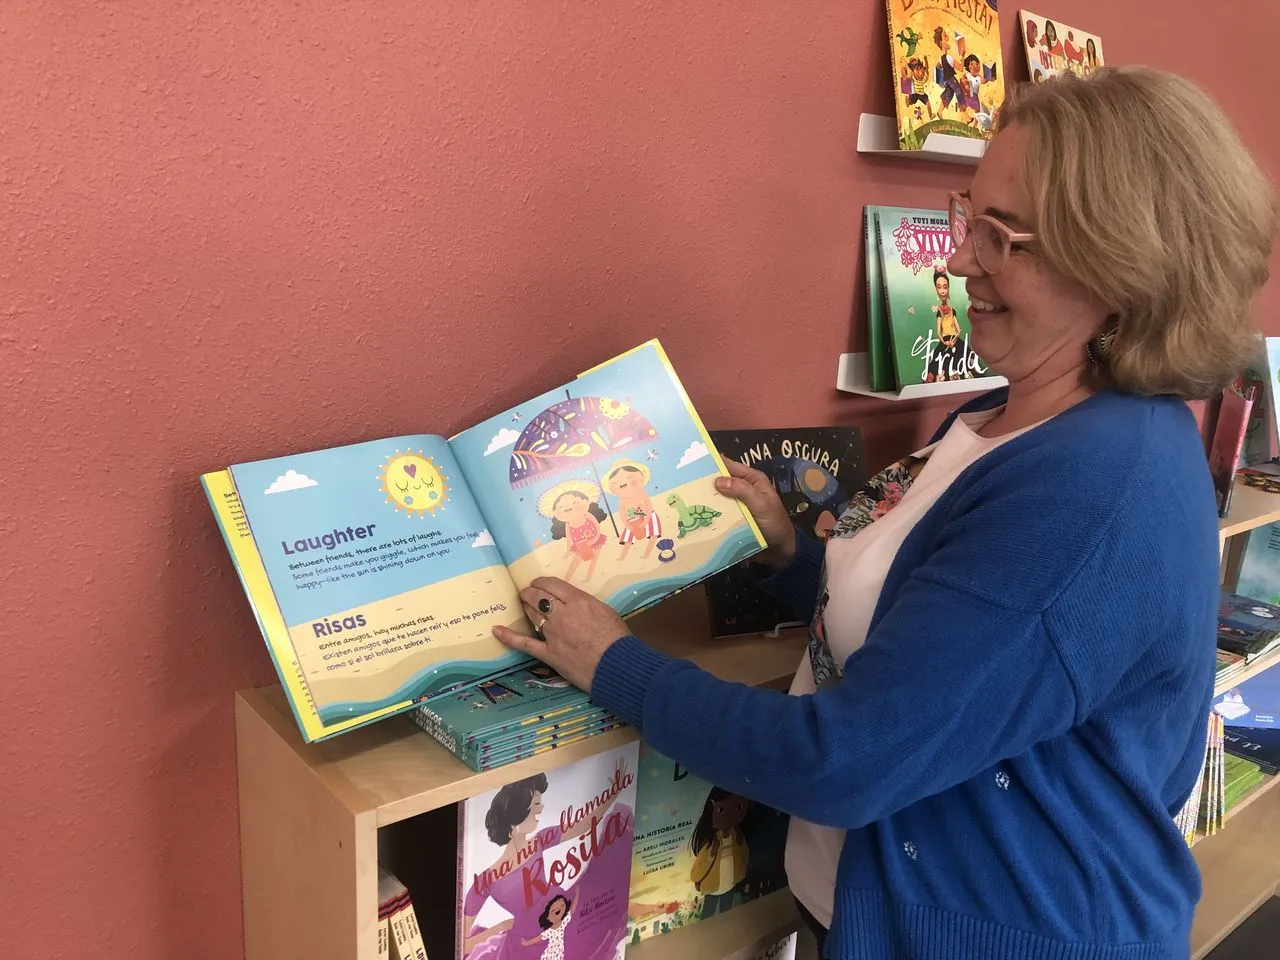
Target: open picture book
x,y
377,570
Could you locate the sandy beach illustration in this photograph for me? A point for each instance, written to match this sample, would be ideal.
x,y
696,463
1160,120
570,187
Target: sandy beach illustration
x,y
388,652
695,527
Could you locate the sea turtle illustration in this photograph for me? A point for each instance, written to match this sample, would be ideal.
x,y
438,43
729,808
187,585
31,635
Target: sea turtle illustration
x,y
691,517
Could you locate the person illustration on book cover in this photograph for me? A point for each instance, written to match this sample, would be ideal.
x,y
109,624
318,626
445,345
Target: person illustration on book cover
x,y
719,850
626,480
915,83
576,516
948,361
945,73
554,919
511,824
1090,57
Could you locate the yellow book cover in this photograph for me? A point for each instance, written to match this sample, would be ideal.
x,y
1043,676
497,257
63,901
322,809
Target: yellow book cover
x,y
377,570
947,72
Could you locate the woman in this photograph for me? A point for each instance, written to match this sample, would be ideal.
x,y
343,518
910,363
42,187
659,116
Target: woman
x,y
1017,653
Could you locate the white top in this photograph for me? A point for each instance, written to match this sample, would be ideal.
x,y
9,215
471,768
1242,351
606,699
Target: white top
x,y
856,566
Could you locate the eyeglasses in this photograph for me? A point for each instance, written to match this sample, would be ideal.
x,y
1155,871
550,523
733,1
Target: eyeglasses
x,y
992,240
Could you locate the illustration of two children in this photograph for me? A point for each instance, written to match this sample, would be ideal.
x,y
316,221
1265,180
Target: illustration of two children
x,y
576,515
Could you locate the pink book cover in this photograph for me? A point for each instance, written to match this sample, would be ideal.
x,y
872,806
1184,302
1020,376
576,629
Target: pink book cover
x,y
545,863
1228,440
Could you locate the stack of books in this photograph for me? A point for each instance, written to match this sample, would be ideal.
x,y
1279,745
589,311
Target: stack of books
x,y
519,715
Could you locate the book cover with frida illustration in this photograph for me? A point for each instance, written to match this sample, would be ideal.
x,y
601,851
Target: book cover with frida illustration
x,y
947,73
699,849
927,306
544,863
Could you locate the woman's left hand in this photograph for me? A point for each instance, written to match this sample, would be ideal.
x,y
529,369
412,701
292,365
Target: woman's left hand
x,y
578,629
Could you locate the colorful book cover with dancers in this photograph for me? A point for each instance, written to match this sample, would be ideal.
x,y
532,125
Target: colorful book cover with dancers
x,y
947,71
377,570
544,863
927,306
1053,47
700,850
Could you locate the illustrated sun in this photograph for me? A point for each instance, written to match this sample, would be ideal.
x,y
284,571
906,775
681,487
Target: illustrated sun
x,y
414,483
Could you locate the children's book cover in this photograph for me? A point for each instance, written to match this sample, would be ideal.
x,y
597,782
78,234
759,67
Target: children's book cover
x,y
1228,443
544,863
1253,703
879,351
699,849
1053,47
609,484
928,307
1259,575
1246,625
815,471
1261,441
947,70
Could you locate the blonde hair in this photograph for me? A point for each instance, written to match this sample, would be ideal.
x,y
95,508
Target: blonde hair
x,y
1144,193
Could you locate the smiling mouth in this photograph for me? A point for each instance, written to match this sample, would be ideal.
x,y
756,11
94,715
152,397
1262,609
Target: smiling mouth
x,y
985,307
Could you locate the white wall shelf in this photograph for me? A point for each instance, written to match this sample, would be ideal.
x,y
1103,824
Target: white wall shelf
x,y
854,376
879,135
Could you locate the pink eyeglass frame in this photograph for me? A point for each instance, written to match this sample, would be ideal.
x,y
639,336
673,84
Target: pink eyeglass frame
x,y
1007,233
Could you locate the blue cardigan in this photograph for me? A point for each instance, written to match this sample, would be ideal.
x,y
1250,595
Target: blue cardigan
x,y
1009,748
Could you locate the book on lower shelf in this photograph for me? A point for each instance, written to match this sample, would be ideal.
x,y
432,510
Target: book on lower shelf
x,y
399,935
544,863
815,471
700,850
376,570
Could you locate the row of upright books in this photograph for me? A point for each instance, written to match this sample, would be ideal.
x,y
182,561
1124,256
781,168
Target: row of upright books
x,y
581,862
1242,748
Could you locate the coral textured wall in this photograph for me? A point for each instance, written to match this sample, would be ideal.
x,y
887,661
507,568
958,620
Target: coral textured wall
x,y
233,230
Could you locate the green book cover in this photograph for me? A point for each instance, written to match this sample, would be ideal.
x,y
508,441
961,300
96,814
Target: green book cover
x,y
878,352
927,306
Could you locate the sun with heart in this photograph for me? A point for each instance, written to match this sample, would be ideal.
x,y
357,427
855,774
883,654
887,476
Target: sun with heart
x,y
414,483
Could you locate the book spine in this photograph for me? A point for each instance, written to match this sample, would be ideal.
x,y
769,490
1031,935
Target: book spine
x,y
384,939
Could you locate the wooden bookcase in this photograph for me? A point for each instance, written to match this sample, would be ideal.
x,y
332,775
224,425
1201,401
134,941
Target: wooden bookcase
x,y
313,817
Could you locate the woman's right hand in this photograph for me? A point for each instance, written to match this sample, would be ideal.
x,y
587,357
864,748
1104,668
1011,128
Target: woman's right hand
x,y
755,491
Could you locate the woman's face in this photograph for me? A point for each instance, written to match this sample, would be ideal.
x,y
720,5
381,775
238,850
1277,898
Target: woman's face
x,y
530,823
1029,323
943,286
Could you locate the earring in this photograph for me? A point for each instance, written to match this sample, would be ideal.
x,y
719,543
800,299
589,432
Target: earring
x,y
1098,348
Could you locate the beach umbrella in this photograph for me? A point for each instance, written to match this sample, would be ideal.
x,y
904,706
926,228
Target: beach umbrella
x,y
573,435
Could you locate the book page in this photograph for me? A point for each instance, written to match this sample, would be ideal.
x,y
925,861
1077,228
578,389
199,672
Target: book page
x,y
227,509
383,571
608,483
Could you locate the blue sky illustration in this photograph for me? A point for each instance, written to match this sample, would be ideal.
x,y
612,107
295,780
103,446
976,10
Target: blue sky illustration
x,y
314,493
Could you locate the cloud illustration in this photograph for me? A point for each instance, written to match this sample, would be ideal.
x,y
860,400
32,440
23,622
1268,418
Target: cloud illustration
x,y
484,540
505,438
697,450
290,480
